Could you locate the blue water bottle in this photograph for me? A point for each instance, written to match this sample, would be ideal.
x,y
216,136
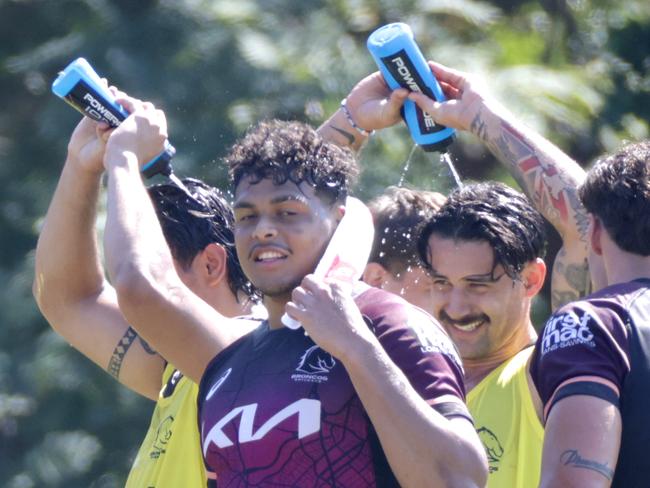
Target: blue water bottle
x,y
80,86
402,64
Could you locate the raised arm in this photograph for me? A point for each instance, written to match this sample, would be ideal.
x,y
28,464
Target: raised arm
x,y
547,175
369,106
70,288
184,328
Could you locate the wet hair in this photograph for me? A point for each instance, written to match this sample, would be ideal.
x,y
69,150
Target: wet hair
x,y
617,191
189,224
293,151
494,213
399,215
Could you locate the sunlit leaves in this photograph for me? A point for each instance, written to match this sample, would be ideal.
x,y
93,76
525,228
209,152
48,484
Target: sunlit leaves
x,y
477,13
61,456
258,49
579,71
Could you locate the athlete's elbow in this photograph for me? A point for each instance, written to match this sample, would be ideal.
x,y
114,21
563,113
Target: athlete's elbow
x,y
461,466
468,467
132,285
475,474
50,300
468,473
47,296
139,290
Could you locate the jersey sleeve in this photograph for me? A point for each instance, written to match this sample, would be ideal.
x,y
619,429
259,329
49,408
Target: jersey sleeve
x,y
423,351
581,351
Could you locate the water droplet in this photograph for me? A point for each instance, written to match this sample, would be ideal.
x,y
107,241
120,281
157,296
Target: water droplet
x,y
406,166
446,158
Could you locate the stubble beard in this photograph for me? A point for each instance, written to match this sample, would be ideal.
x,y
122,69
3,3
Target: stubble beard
x,y
280,291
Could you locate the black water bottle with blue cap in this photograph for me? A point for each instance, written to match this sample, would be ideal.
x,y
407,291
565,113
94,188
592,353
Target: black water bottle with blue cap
x,y
402,64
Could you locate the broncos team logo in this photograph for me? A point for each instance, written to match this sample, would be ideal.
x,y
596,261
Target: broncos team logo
x,y
163,435
316,361
493,447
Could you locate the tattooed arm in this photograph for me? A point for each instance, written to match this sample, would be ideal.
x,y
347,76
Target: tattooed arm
x,y
547,175
581,442
70,287
370,106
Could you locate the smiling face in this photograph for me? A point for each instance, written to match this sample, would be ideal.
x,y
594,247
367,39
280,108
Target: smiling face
x,y
281,231
484,310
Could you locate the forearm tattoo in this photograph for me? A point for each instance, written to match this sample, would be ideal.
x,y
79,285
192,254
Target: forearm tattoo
x,y
571,280
147,348
348,136
550,189
577,276
479,128
115,364
572,458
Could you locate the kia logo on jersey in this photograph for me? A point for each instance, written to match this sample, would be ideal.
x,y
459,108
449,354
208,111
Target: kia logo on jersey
x,y
307,410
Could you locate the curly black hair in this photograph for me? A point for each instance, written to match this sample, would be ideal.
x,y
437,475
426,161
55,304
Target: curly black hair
x,y
292,151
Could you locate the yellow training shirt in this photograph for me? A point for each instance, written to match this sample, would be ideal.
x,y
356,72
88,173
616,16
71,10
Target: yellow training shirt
x,y
506,421
170,455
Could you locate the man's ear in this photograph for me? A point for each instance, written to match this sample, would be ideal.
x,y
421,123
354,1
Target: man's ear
x,y
215,263
533,276
595,235
374,274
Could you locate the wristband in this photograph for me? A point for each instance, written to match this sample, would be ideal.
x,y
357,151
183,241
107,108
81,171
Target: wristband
x,y
351,121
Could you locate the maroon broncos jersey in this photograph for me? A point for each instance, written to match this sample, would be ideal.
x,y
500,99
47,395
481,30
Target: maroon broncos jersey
x,y
600,346
277,410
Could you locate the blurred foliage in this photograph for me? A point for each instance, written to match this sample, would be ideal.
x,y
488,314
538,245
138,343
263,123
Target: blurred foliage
x,y
576,70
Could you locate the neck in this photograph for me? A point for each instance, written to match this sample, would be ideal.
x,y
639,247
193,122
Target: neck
x,y
275,308
478,368
623,267
225,302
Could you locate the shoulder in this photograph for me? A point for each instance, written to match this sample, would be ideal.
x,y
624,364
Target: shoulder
x,y
578,323
253,328
583,350
385,310
404,329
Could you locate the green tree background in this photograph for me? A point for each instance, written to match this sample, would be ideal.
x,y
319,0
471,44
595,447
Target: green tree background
x,y
576,70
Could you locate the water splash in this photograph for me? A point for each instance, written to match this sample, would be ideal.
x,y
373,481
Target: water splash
x,y
406,166
176,180
446,158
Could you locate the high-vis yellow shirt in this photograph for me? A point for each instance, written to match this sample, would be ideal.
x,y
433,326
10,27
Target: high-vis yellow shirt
x,y
506,421
170,455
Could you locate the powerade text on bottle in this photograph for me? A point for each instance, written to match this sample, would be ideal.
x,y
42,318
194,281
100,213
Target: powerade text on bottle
x,y
402,64
80,86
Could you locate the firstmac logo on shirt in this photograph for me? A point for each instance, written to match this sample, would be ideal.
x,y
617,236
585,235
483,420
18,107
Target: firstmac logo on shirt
x,y
566,330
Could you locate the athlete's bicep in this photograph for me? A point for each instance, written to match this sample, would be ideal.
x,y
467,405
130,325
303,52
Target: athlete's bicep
x,y
97,328
182,327
581,443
